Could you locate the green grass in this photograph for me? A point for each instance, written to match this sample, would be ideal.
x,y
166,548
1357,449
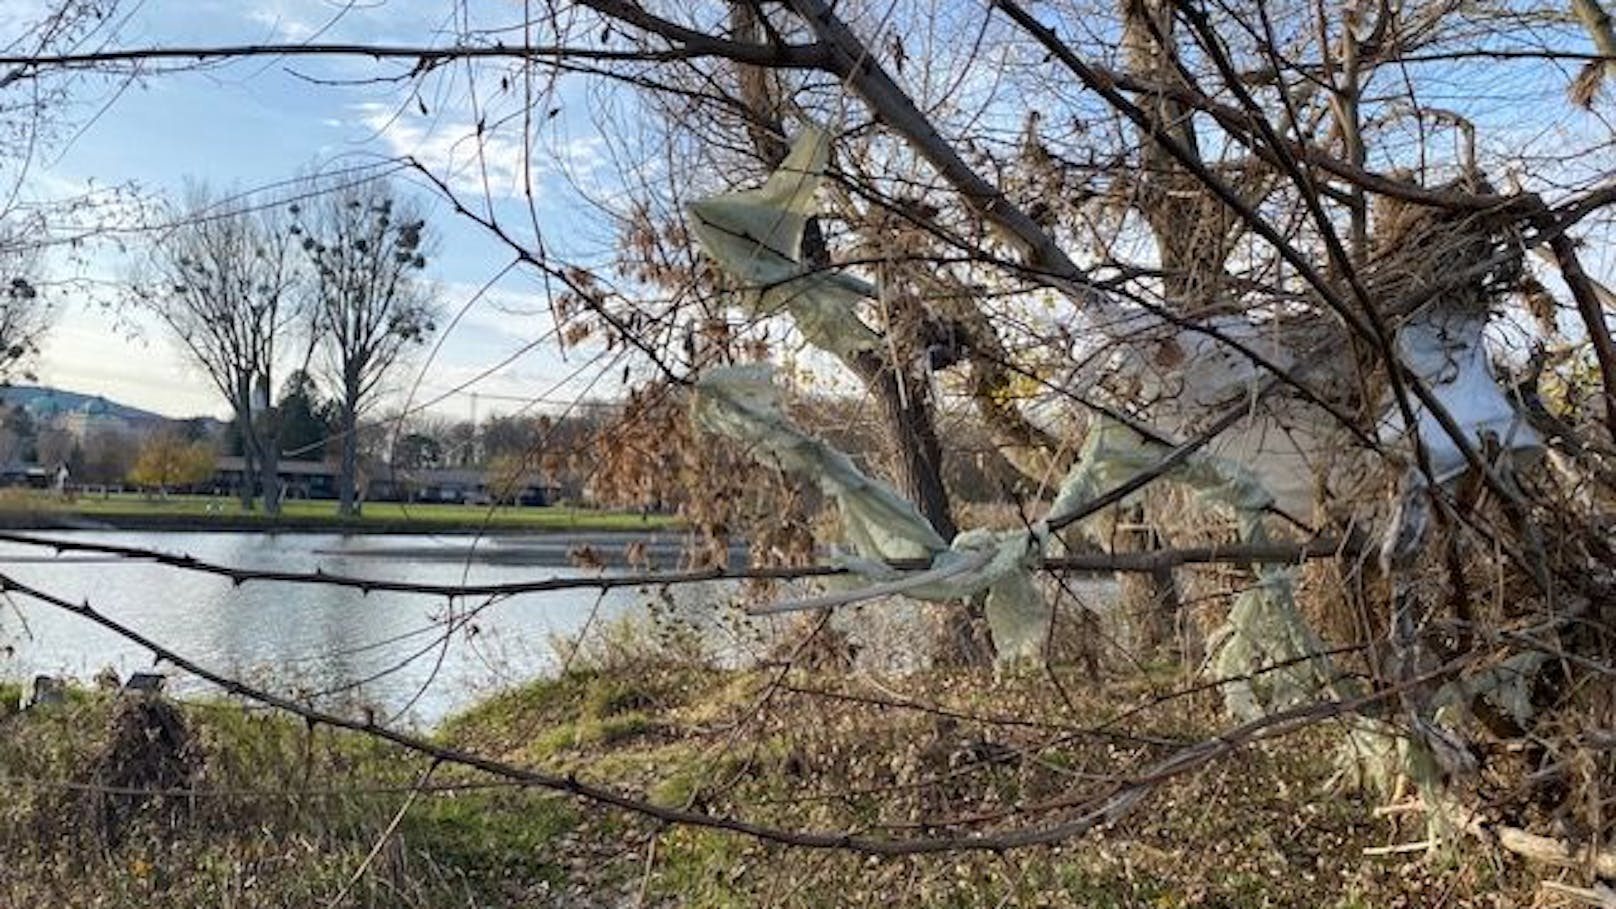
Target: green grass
x,y
489,838
202,511
603,731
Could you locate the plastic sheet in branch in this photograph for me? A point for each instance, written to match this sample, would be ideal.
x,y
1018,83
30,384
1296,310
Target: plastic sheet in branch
x,y
1271,656
878,524
756,236
743,403
1445,347
1115,453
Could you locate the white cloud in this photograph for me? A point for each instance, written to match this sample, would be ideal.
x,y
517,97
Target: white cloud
x,y
282,26
24,12
451,148
86,353
580,158
493,160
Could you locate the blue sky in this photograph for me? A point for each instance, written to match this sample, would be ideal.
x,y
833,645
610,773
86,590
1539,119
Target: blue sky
x,y
254,123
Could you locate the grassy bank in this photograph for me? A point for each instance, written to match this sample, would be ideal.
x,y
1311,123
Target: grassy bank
x,y
284,815
30,509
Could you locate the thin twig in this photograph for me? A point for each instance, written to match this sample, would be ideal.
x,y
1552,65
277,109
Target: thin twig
x,y
382,841
1593,319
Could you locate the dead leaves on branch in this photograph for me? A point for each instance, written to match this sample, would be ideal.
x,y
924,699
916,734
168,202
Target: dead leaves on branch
x,y
651,457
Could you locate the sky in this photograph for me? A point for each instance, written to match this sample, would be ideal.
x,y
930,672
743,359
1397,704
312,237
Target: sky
x,y
261,121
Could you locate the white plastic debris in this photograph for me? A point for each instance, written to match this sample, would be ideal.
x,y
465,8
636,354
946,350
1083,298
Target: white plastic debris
x,y
1445,347
1266,650
742,402
1179,374
881,526
756,236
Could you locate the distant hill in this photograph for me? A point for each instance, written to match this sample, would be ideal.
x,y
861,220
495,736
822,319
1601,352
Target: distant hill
x,y
44,404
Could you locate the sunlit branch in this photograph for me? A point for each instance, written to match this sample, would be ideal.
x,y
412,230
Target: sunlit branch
x,y
692,45
1276,553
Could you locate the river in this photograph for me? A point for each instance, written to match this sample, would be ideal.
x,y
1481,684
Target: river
x,y
388,652
338,646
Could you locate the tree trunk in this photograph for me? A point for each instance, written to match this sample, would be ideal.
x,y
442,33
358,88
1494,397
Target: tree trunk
x,y
913,434
260,461
249,479
269,465
962,639
1194,233
1148,600
348,476
249,463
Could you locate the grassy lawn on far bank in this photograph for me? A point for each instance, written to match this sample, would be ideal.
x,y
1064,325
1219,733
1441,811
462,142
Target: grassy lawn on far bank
x,y
24,506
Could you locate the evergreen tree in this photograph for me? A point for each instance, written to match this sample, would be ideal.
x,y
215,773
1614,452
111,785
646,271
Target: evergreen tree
x,y
306,419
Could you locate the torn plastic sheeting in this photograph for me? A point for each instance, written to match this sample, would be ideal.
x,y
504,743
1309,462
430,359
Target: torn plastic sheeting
x,y
1446,349
1263,630
743,403
1270,654
1206,367
756,236
1176,375
1115,453
1374,754
1214,371
1112,454
1266,651
1507,686
1018,615
1000,562
1019,618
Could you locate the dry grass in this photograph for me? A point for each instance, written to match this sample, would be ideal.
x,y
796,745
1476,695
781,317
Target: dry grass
x,y
285,815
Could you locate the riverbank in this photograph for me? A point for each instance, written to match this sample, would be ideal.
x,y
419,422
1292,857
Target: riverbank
x,y
270,811
26,510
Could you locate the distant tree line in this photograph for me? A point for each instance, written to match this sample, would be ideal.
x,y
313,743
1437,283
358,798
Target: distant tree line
x,y
324,282
102,456
509,450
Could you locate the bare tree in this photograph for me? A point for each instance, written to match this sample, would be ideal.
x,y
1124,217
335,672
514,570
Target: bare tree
x,y
226,282
42,239
30,115
1249,234
366,245
19,437
25,312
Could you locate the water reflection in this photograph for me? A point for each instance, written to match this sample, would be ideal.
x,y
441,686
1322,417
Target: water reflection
x,y
381,649
348,650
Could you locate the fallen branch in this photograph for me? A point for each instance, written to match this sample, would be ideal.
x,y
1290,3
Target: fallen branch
x,y
1601,896
1545,849
1593,319
1552,851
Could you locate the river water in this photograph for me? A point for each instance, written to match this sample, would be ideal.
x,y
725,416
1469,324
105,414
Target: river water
x,y
337,646
407,657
